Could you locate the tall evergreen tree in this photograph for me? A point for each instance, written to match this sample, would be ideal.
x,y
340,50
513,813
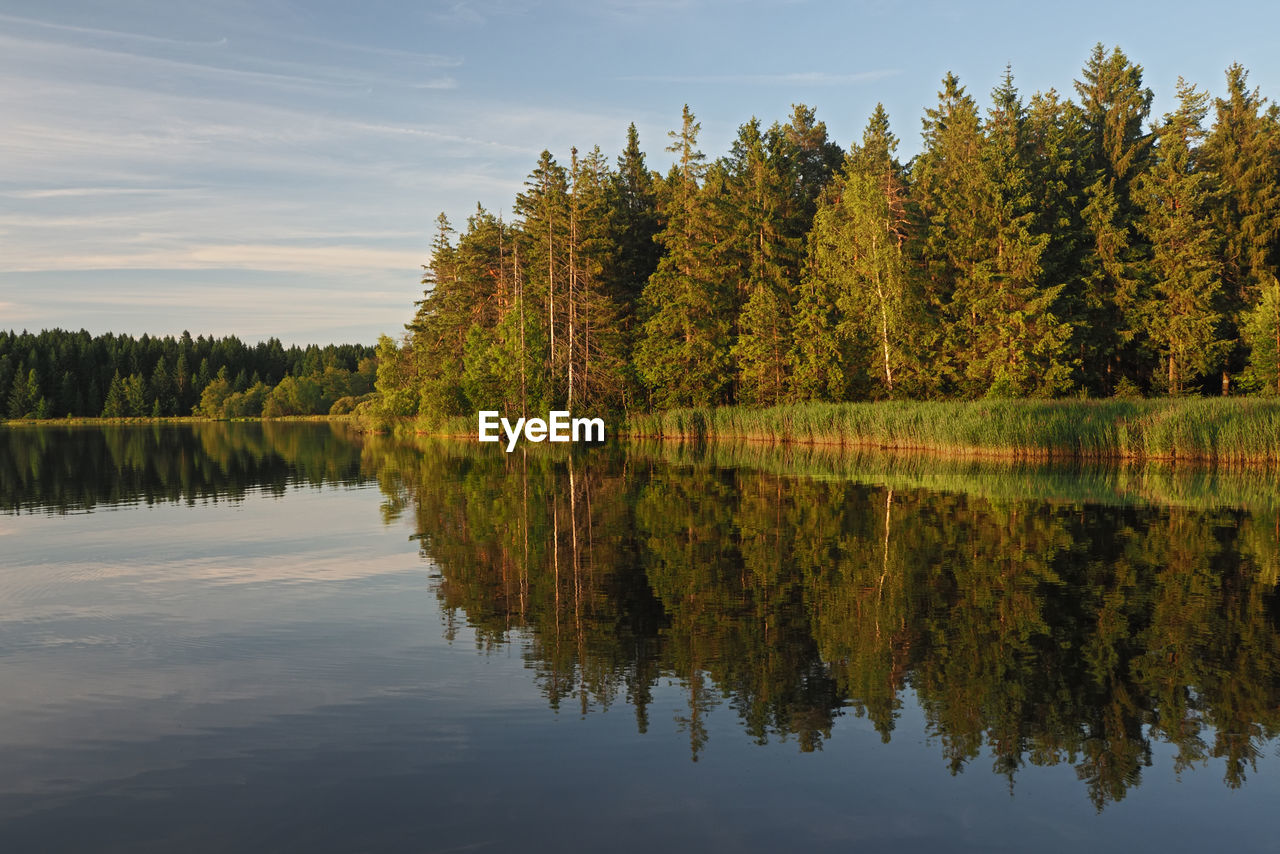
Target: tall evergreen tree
x,y
634,220
955,201
597,346
1016,343
1114,106
543,209
762,255
683,356
1243,150
1178,198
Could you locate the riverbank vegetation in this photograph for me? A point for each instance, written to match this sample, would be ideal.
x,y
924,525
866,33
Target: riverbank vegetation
x,y
1040,247
1208,429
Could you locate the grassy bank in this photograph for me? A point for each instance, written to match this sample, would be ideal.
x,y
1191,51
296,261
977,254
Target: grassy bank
x,y
1221,430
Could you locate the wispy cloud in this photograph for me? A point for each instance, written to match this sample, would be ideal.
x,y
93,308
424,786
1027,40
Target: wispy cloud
x,y
808,78
106,33
85,192
314,77
263,257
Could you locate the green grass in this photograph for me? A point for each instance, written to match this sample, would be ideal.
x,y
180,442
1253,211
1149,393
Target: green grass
x,y
1220,430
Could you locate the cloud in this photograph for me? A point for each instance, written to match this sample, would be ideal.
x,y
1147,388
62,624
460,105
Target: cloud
x,y
115,34
809,78
84,192
315,77
264,257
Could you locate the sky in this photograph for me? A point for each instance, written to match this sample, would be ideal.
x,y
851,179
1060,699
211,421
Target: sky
x,y
275,167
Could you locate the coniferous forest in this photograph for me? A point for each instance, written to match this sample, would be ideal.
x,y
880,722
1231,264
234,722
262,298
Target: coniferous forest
x,y
1048,246
59,373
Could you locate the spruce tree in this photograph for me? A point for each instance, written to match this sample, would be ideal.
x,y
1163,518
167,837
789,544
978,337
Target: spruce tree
x,y
1177,199
1114,105
759,252
543,235
1243,150
683,355
597,346
634,221
1016,344
954,200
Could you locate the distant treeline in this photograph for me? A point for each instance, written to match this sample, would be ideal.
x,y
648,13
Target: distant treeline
x,y
1037,248
59,373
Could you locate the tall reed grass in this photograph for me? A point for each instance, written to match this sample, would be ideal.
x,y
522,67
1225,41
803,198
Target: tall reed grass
x,y
1003,480
1221,430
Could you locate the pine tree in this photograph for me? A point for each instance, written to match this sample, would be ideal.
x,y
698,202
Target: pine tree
x,y
814,159
1177,198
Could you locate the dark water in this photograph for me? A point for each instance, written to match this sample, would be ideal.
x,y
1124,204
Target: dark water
x,y
243,637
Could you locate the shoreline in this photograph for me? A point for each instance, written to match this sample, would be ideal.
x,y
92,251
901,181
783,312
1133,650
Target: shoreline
x,y
1217,431
1222,431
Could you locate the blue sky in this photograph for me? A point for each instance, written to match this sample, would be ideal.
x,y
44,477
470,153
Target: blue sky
x,y
274,167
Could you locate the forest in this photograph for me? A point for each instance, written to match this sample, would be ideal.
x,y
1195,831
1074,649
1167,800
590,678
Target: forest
x,y
59,373
1040,247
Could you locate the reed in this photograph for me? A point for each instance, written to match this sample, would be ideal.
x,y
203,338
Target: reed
x,y
1001,481
1219,430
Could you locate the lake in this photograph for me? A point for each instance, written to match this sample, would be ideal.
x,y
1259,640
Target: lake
x,y
291,637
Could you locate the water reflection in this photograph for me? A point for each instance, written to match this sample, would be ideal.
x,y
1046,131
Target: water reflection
x,y
78,468
1030,631
1034,616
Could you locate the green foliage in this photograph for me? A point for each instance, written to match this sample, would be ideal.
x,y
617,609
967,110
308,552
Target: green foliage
x,y
683,356
1237,431
1036,248
118,376
1262,334
1177,198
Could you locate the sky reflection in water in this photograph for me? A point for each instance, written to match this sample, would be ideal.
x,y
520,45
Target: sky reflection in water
x,y
240,648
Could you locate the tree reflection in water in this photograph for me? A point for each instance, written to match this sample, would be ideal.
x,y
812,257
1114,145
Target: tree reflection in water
x,y
1036,615
1035,630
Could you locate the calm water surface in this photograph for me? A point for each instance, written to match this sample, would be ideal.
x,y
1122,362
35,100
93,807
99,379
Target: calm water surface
x,y
244,637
